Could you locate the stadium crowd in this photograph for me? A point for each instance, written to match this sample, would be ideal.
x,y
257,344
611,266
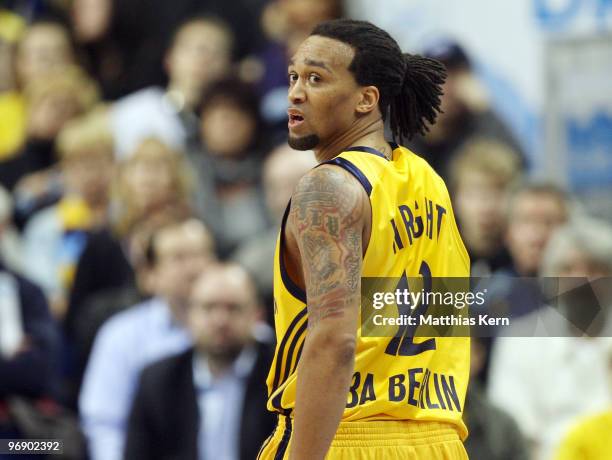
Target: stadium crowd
x,y
144,172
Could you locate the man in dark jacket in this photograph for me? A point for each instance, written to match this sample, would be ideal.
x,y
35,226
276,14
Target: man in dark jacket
x,y
29,343
210,401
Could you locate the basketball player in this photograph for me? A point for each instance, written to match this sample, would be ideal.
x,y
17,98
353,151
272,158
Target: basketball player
x,y
370,209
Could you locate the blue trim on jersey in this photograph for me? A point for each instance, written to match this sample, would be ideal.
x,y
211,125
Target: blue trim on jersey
x,y
361,148
282,447
293,288
354,170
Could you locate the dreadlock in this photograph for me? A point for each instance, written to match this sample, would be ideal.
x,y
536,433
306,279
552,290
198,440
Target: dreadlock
x,y
410,86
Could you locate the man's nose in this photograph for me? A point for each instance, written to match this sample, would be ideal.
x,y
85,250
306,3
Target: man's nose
x,y
296,93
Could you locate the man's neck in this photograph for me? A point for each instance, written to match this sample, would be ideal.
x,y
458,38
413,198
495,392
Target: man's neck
x,y
363,132
185,96
178,310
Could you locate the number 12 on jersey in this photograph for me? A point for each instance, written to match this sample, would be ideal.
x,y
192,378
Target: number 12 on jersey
x,y
403,343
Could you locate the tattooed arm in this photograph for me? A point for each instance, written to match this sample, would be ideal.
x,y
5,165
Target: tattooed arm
x,y
327,218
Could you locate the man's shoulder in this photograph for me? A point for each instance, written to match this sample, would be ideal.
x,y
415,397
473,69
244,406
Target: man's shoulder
x,y
127,322
45,221
330,180
168,368
29,294
333,190
141,99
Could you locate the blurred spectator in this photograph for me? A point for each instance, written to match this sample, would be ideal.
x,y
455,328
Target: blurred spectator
x,y
200,53
44,48
152,179
465,113
546,382
480,178
286,23
125,40
52,102
10,241
120,276
281,172
210,401
56,236
535,211
178,253
105,50
229,167
29,344
152,188
494,435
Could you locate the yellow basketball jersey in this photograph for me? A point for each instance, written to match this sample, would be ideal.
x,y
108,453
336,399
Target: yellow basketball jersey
x,y
413,233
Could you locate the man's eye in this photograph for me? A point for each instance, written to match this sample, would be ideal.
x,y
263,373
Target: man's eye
x,y
314,78
293,77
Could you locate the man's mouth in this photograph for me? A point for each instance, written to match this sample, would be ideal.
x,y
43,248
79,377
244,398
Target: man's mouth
x,y
295,119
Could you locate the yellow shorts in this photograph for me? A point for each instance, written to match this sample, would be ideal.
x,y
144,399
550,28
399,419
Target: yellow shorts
x,y
377,440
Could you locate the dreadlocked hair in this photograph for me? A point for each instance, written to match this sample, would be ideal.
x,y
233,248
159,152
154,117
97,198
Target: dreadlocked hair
x,y
410,86
419,100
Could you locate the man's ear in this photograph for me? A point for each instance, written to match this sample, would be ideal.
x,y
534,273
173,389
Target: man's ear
x,y
369,99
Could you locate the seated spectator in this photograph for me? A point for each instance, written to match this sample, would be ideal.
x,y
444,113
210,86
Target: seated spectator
x,y
52,101
199,54
44,48
535,210
29,346
553,367
465,113
55,237
282,170
120,277
209,401
228,167
178,254
104,48
152,188
480,178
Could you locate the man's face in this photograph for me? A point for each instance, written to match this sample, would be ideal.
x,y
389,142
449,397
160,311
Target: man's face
x,y
478,197
222,312
44,49
51,112
89,173
200,54
533,218
182,254
323,93
91,19
149,181
221,118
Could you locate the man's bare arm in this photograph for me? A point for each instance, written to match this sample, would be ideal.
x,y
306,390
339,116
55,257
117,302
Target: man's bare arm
x,y
327,220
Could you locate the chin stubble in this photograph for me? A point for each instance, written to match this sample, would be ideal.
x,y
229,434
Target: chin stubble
x,y
304,143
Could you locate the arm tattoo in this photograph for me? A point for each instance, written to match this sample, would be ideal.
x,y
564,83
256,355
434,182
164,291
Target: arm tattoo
x,y
327,218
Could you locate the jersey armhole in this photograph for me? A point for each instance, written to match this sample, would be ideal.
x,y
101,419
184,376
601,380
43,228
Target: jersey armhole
x,y
354,170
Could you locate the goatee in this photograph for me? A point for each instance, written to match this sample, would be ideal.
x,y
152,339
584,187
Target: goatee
x,y
304,143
